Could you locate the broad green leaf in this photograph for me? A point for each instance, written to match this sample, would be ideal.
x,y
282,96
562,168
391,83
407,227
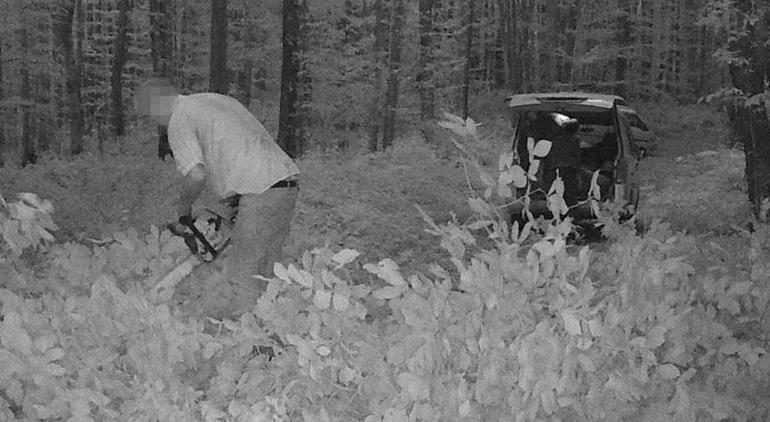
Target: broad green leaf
x,y
395,415
597,327
505,161
210,349
534,166
345,256
389,292
542,148
13,336
571,323
211,413
548,400
45,342
519,176
465,409
486,178
54,354
480,224
347,374
322,299
11,364
503,191
454,118
340,302
416,311
595,207
625,387
55,370
415,282
280,271
557,187
300,276
595,191
656,336
387,270
505,177
668,371
471,127
415,387
479,206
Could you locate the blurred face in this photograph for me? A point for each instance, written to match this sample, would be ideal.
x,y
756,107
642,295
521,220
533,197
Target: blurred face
x,y
155,103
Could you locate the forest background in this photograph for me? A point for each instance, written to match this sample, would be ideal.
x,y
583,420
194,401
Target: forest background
x,y
68,67
441,313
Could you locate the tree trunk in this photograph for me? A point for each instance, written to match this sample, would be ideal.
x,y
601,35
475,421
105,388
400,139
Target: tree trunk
x,y
75,89
245,75
219,78
162,56
752,125
505,40
468,57
375,106
425,76
161,37
2,109
69,35
289,132
394,73
120,53
516,47
29,154
44,119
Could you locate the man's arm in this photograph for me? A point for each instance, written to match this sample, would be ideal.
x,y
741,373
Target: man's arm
x,y
192,186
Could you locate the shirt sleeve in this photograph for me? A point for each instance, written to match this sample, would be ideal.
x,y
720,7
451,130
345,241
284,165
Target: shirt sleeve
x,y
184,143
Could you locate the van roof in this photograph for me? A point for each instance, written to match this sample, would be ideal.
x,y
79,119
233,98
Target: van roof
x,y
564,100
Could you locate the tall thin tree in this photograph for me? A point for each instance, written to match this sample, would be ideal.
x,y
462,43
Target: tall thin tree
x,y
219,75
289,119
119,59
468,59
162,56
161,37
2,110
69,35
425,76
394,72
29,153
379,31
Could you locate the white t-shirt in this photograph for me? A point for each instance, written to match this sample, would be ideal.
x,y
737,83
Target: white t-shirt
x,y
237,152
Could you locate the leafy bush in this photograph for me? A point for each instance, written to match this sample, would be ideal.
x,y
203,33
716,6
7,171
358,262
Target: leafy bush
x,y
517,324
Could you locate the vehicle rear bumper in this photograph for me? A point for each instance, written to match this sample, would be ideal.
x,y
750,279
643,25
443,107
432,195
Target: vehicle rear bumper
x,y
580,211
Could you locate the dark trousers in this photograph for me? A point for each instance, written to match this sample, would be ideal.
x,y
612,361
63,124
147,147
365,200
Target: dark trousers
x,y
260,230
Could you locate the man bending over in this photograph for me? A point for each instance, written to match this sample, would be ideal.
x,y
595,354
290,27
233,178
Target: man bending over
x,y
217,142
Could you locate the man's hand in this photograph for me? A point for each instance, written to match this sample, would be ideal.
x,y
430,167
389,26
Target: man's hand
x,y
181,227
186,220
192,185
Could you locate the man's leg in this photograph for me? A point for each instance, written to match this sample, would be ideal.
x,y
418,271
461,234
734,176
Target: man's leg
x,y
260,230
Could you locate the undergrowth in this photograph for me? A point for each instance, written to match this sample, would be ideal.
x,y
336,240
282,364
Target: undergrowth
x,y
515,324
